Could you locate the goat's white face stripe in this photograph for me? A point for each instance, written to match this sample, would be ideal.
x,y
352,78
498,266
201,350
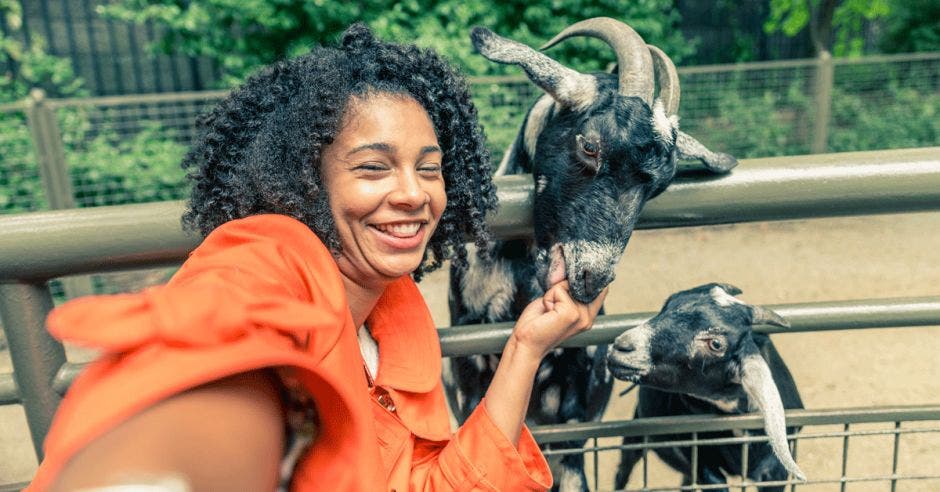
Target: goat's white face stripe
x,y
534,125
578,89
722,298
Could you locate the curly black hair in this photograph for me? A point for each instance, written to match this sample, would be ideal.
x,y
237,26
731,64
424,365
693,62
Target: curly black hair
x,y
259,149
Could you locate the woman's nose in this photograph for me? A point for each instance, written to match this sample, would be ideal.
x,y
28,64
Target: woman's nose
x,y
408,192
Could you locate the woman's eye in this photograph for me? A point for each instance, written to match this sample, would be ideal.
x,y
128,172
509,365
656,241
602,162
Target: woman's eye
x,y
715,345
371,166
588,147
430,168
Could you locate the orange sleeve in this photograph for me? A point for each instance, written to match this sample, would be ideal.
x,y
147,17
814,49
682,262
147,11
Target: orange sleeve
x,y
481,457
259,292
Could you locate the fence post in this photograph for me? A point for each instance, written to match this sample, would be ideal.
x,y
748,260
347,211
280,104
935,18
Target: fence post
x,y
56,182
36,356
825,74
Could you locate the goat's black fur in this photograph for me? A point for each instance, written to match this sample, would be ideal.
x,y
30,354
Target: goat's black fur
x,y
679,377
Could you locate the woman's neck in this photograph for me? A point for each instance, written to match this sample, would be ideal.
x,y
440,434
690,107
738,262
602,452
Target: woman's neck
x,y
362,298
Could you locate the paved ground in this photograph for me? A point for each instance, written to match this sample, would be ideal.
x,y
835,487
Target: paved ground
x,y
782,262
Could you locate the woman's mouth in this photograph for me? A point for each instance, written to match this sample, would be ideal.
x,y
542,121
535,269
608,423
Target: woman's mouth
x,y
401,235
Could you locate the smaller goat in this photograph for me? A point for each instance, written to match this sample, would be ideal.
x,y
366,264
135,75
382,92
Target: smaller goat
x,y
700,355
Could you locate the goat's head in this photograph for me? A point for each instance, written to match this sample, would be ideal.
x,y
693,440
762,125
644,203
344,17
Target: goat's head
x,y
598,147
701,344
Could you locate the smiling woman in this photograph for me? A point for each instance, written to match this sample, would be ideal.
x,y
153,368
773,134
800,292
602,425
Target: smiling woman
x,y
293,348
383,173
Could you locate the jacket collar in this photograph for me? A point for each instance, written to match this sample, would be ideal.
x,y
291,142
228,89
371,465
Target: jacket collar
x,y
409,348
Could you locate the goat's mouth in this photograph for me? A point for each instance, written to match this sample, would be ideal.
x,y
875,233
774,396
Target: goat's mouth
x,y
625,372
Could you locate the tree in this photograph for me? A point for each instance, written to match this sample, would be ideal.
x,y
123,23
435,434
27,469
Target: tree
x,y
242,35
835,26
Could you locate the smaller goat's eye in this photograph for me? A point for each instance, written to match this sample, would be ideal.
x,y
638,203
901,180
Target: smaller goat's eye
x,y
590,148
716,345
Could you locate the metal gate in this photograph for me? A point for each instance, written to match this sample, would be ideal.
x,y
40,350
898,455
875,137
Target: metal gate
x,y
40,246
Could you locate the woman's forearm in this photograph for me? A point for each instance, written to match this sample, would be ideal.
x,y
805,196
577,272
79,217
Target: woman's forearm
x,y
507,398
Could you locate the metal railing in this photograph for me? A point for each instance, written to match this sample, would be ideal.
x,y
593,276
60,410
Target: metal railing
x,y
39,246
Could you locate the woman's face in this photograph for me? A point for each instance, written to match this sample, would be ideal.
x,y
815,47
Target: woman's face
x,y
383,176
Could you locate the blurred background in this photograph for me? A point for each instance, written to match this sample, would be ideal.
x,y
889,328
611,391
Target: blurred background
x,y
98,100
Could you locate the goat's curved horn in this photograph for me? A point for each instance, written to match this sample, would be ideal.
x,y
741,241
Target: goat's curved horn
x,y
690,148
569,87
759,385
763,316
667,78
633,58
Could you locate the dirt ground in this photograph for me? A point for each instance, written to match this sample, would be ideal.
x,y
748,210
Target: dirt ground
x,y
779,262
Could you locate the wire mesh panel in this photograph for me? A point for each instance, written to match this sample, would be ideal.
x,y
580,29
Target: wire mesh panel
x,y
502,104
128,150
847,449
759,110
883,102
20,183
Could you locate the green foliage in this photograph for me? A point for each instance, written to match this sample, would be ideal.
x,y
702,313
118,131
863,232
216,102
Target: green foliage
x,y
792,16
756,125
902,117
244,35
913,26
106,169
114,170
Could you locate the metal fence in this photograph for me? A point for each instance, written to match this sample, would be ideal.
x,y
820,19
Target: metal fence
x,y
126,149
40,246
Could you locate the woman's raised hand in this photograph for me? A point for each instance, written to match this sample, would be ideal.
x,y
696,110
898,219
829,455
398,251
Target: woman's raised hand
x,y
554,318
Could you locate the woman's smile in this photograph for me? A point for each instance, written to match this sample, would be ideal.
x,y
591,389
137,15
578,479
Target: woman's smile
x,y
384,176
401,235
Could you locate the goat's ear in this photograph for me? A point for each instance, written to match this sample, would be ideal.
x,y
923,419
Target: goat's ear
x,y
664,127
763,316
568,87
690,148
758,383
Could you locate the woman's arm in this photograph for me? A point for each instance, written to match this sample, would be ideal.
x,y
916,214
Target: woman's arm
x,y
544,324
225,435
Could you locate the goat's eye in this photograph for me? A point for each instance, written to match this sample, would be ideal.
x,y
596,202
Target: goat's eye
x,y
591,149
716,345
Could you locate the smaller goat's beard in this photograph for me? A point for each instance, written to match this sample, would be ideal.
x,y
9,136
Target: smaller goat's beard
x,y
587,266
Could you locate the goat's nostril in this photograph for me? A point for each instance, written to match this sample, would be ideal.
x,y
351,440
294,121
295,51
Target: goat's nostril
x,y
627,347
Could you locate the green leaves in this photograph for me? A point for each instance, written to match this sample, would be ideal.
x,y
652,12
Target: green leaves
x,y
245,35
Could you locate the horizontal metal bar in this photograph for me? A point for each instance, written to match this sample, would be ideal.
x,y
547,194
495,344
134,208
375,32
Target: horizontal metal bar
x,y
712,423
819,316
9,393
54,243
43,245
803,317
153,98
779,483
721,441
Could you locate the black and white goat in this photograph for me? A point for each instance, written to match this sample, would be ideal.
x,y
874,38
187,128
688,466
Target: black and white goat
x,y
699,355
598,147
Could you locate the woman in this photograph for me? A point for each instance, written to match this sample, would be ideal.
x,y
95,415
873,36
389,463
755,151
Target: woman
x,y
293,344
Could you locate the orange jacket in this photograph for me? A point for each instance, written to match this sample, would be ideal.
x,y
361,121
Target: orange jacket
x,y
265,292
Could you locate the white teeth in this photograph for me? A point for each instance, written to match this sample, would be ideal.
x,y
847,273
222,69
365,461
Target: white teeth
x,y
400,230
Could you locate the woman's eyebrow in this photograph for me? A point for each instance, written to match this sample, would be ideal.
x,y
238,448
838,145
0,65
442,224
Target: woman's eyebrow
x,y
380,146
430,149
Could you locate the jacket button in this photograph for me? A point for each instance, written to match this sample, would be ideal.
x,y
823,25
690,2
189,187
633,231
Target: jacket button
x,y
386,401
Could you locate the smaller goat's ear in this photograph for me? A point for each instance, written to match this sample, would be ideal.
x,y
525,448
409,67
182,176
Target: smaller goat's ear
x,y
763,316
690,148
